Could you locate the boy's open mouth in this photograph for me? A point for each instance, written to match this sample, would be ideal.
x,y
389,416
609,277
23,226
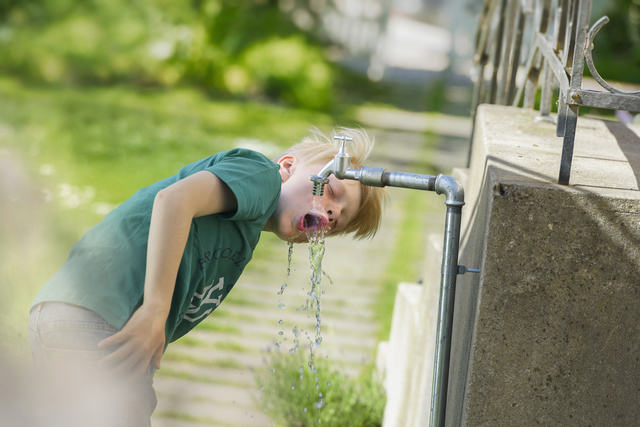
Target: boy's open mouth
x,y
312,221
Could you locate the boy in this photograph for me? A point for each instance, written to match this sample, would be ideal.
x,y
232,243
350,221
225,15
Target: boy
x,y
167,257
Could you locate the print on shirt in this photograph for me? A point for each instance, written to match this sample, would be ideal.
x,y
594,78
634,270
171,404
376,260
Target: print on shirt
x,y
223,253
206,301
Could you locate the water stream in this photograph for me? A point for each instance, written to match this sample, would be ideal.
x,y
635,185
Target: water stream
x,y
316,245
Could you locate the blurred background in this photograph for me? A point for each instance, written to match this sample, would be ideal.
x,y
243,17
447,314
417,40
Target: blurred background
x,y
100,98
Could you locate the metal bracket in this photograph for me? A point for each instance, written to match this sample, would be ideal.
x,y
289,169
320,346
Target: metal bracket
x,y
462,270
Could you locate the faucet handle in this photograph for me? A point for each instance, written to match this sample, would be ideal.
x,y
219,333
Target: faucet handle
x,y
343,139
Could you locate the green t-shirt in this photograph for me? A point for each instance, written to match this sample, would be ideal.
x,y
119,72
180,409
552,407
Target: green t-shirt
x,y
105,270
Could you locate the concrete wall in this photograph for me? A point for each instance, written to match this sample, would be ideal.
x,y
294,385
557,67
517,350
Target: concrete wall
x,y
548,333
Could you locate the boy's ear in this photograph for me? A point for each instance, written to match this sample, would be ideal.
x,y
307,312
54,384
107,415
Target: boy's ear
x,y
287,165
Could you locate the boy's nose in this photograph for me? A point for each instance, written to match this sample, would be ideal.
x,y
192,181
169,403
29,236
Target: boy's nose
x,y
333,214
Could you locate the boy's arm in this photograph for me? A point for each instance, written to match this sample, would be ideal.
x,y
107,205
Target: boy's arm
x,y
142,339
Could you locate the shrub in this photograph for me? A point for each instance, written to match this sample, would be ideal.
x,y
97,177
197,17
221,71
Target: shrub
x,y
617,45
291,70
299,393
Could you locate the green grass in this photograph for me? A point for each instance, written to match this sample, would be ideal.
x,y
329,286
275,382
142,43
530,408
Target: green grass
x,y
226,364
224,313
117,139
232,346
238,299
191,341
180,357
213,326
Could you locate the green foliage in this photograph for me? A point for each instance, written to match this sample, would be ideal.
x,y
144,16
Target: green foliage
x,y
289,70
437,97
243,48
297,395
617,45
86,42
236,25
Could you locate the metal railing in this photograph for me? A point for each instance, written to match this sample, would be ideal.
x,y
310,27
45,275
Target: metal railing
x,y
523,46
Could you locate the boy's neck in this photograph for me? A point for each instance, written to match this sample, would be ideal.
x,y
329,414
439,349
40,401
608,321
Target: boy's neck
x,y
268,226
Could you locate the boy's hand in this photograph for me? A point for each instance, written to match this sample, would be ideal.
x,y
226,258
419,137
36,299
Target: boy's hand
x,y
141,342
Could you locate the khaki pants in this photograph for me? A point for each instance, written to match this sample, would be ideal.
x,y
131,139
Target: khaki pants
x,y
64,342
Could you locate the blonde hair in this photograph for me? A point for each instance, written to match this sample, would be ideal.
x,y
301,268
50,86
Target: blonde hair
x,y
320,148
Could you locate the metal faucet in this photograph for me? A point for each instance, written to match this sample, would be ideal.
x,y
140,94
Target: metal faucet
x,y
338,166
441,184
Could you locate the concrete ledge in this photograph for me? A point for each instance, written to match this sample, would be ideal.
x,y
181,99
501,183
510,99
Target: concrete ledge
x,y
548,333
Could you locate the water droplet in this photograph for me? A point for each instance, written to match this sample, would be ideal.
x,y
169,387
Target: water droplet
x,y
281,306
319,403
329,383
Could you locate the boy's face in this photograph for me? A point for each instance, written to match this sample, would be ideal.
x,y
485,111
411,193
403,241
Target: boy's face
x,y
299,211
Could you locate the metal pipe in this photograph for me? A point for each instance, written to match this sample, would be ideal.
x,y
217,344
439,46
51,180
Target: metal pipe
x,y
454,200
454,193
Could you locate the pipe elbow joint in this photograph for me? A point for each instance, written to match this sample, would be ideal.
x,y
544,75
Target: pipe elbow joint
x,y
451,188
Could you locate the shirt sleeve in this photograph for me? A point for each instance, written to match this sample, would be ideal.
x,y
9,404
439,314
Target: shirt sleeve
x,y
253,179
